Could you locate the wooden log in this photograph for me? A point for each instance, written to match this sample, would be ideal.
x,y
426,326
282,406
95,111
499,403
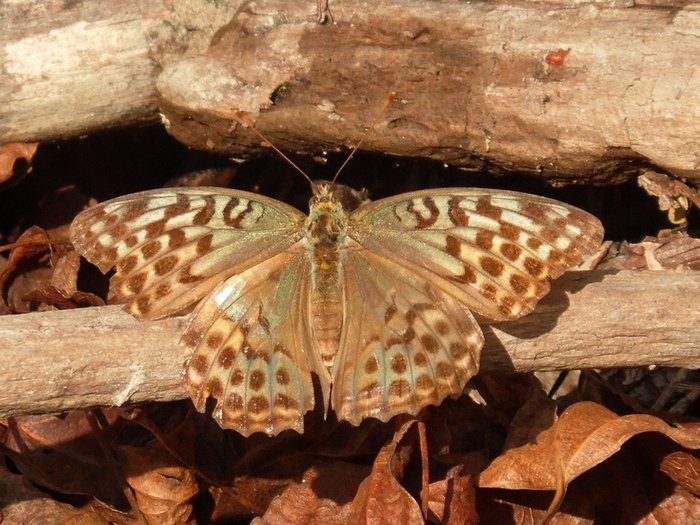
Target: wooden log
x,y
56,361
562,90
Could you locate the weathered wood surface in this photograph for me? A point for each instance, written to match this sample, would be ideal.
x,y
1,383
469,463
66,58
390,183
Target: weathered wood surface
x,y
57,361
474,85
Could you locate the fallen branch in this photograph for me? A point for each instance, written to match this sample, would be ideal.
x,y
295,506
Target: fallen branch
x,y
56,361
558,89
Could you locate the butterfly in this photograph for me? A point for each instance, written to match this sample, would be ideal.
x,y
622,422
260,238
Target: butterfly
x,y
373,305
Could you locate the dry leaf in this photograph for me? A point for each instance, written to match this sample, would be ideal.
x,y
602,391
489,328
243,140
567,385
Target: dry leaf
x,y
452,501
163,488
381,498
64,454
11,153
324,496
585,435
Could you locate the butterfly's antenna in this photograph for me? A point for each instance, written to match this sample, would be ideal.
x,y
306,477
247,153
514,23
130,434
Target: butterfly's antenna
x,y
248,123
389,100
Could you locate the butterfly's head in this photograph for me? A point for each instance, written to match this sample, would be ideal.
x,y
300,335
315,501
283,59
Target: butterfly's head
x,y
325,200
326,214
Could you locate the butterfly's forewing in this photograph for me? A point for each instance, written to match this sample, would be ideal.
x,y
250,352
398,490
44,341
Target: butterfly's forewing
x,y
171,247
492,250
249,346
405,344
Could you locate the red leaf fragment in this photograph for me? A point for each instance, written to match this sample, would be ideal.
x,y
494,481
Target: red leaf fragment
x,y
557,57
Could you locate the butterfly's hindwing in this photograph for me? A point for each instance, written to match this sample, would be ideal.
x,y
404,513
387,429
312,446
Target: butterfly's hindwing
x,y
407,344
249,346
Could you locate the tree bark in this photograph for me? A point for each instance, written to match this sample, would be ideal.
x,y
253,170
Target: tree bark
x,y
567,91
56,361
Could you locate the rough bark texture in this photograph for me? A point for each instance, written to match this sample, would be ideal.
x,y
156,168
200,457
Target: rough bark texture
x,y
72,359
480,85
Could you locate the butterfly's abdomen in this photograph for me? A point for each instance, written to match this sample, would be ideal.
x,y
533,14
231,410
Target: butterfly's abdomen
x,y
326,236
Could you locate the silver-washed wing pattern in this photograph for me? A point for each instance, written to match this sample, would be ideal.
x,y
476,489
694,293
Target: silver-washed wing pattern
x,y
373,305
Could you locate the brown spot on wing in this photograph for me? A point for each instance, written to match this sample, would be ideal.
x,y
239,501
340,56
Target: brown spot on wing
x,y
507,306
534,267
557,258
425,383
203,216
110,255
127,264
263,321
257,380
285,402
560,222
131,241
150,249
136,283
134,210
234,403
155,228
389,313
509,231
182,205
533,243
282,376
371,365
258,405
216,388
511,251
237,377
485,208
491,266
429,343
176,238
457,215
534,210
550,235
453,246
458,350
484,240
215,339
488,291
442,328
118,231
199,363
400,388
369,389
162,290
143,304
444,371
226,357
204,244
235,220
419,359
519,284
165,264
398,364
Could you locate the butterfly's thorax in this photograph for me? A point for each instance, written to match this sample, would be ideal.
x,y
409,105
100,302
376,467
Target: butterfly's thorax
x,y
326,236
